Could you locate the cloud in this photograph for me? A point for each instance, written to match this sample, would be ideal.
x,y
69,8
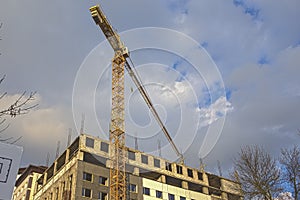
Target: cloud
x,y
40,130
255,45
266,108
234,38
215,111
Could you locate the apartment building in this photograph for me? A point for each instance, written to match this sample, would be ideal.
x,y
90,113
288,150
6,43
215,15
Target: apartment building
x,y
82,172
26,180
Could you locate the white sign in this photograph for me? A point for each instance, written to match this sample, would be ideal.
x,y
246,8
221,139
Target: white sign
x,y
10,158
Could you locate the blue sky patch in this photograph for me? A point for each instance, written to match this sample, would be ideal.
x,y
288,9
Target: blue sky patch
x,y
204,44
238,2
228,93
248,10
296,45
178,6
263,60
176,64
212,94
205,101
182,73
252,11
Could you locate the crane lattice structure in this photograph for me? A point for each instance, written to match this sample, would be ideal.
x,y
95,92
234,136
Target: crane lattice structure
x,y
117,127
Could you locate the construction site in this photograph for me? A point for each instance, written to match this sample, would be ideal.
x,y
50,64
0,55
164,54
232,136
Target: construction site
x,y
93,168
83,171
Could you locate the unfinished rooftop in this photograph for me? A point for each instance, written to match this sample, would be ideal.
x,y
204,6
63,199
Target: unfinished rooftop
x,y
95,151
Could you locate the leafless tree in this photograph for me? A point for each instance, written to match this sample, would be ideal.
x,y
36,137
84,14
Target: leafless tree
x,y
21,105
290,160
257,173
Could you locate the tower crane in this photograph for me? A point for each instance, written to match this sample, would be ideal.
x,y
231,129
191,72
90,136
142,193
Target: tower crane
x,y
120,61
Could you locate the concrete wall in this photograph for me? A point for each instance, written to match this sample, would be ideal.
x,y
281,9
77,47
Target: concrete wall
x,y
168,189
25,190
86,155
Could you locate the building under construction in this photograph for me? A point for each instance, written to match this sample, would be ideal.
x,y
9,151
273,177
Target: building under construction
x,y
82,172
26,182
91,168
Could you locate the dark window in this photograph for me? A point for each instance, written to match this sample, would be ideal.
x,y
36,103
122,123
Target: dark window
x,y
156,163
215,192
159,194
94,159
171,196
104,147
190,173
61,161
29,182
182,198
86,192
74,148
87,176
132,187
214,181
27,195
131,155
103,180
179,169
50,172
102,196
144,159
200,176
233,196
146,191
168,166
89,142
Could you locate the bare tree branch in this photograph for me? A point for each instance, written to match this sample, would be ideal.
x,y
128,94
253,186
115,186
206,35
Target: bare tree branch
x,y
290,160
2,79
257,173
21,105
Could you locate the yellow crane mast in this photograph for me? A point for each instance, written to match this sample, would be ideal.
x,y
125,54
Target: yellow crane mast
x,y
117,127
117,130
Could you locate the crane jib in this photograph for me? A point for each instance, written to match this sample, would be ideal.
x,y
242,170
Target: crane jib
x,y
111,35
119,48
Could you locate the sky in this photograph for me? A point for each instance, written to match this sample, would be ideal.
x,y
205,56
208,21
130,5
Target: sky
x,y
222,74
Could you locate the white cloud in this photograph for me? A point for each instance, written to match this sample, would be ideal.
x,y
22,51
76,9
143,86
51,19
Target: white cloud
x,y
266,111
40,130
43,54
215,111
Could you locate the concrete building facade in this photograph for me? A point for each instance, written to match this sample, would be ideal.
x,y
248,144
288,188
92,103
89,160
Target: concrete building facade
x,y
82,172
25,184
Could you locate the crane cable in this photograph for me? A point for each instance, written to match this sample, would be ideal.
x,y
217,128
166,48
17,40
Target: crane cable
x,y
137,80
